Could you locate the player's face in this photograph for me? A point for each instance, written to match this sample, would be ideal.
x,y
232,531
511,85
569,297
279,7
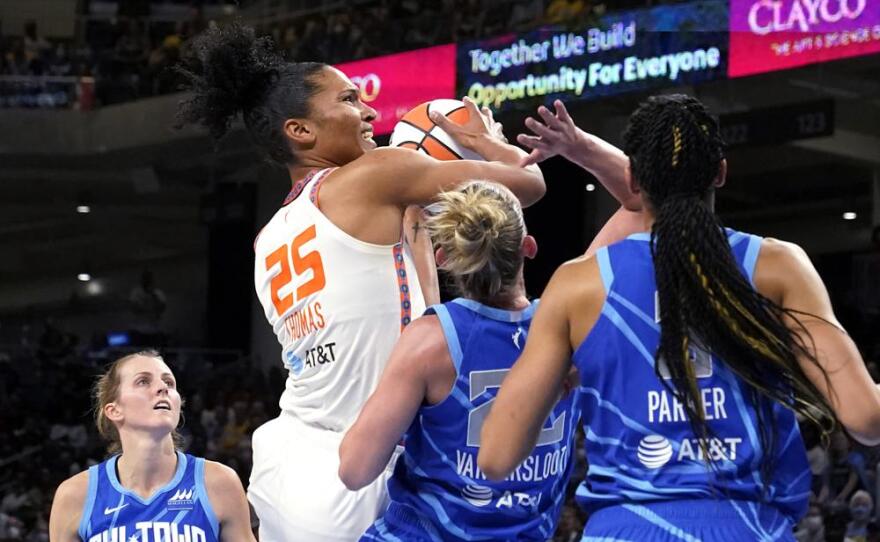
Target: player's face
x,y
148,396
343,121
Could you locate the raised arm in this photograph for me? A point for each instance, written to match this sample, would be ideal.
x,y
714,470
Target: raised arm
x,y
785,274
412,368
558,135
67,506
422,252
411,178
536,380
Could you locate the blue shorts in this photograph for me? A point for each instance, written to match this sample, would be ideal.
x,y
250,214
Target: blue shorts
x,y
689,521
400,523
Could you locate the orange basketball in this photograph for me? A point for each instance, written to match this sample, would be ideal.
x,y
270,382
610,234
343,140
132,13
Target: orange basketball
x,y
417,131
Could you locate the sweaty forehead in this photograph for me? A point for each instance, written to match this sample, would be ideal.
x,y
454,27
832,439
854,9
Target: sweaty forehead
x,y
334,81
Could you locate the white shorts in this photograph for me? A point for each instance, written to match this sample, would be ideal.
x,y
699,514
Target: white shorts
x,y
295,487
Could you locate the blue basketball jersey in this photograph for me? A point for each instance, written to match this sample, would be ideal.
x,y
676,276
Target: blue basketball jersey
x,y
640,446
437,491
178,512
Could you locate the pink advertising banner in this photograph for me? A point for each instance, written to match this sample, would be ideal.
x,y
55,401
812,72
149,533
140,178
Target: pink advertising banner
x,y
769,35
394,84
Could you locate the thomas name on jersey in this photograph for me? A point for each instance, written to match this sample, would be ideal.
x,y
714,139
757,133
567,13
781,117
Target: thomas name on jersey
x,y
305,321
152,531
535,468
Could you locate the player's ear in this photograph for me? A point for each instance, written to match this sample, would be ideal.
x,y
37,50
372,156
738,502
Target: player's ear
x,y
301,132
112,412
529,247
722,174
440,257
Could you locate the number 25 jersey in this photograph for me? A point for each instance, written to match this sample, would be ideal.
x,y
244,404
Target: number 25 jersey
x,y
336,304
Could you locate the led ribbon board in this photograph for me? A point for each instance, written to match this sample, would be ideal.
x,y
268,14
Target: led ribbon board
x,y
624,52
394,84
769,35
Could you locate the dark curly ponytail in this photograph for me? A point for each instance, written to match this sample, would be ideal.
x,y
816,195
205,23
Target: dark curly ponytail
x,y
230,71
675,150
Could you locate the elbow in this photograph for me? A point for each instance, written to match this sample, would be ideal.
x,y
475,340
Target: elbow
x,y
494,460
867,431
351,473
537,189
350,477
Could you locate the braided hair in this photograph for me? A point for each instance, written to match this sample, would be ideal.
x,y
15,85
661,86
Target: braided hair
x,y
675,151
230,71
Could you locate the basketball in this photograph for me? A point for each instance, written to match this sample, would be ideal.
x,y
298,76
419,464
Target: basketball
x,y
417,131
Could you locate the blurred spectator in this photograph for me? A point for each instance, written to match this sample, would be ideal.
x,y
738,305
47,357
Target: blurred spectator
x,y
562,11
527,14
861,507
467,21
812,527
820,461
54,343
570,525
34,45
844,471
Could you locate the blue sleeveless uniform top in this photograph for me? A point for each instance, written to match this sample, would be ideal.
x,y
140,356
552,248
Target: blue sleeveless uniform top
x,y
639,443
178,512
437,484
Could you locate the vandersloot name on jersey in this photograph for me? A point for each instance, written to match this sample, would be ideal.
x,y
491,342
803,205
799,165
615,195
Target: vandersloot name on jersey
x,y
535,468
152,531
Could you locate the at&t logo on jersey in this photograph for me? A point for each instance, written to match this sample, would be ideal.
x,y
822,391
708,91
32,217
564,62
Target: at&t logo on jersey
x,y
182,498
152,531
482,496
654,451
477,495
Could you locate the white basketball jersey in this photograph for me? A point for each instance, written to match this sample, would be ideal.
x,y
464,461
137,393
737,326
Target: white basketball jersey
x,y
336,304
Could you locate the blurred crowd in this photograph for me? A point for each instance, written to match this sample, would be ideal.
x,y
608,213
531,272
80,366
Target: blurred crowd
x,y
129,53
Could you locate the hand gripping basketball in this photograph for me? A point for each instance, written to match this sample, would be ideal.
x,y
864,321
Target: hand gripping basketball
x,y
479,124
557,135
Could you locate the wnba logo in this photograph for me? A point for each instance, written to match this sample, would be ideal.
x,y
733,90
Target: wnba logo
x,y
768,16
368,86
654,451
477,495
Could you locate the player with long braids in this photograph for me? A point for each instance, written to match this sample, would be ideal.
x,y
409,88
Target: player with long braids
x,y
696,345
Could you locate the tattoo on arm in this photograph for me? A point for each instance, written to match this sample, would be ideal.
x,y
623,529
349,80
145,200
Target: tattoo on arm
x,y
416,229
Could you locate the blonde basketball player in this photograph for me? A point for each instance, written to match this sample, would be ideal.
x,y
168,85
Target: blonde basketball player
x,y
148,490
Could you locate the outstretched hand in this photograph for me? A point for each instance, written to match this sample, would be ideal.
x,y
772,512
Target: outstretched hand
x,y
557,135
480,123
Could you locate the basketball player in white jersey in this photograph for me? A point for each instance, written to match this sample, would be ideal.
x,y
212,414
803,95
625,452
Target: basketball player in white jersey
x,y
332,270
